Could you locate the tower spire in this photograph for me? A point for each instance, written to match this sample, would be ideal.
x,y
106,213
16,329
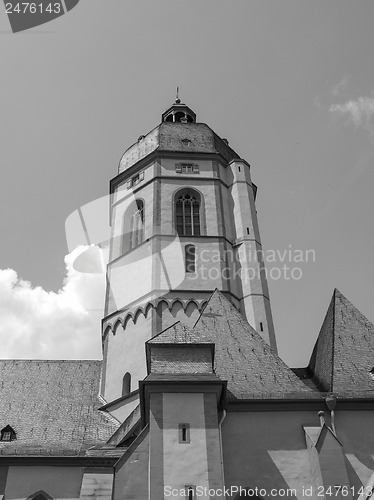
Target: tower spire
x,y
177,100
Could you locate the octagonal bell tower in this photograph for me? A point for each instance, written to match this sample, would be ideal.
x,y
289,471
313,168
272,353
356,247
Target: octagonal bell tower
x,y
184,223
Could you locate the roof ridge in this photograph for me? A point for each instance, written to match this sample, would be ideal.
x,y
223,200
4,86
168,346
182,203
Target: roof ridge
x,y
162,331
206,305
334,298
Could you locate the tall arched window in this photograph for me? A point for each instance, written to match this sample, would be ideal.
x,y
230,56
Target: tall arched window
x,y
126,384
187,212
133,226
137,221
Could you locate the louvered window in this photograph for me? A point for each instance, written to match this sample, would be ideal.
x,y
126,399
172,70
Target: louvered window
x,y
133,226
190,258
137,225
187,168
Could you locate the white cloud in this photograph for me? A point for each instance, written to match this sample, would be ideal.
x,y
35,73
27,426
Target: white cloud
x,y
340,86
360,112
37,324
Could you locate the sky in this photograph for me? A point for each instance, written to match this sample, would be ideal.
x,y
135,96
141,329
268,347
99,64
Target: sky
x,y
289,83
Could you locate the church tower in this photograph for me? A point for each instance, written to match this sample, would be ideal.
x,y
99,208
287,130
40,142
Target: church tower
x,y
184,223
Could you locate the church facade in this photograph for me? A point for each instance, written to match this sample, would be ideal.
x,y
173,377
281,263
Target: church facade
x,y
191,399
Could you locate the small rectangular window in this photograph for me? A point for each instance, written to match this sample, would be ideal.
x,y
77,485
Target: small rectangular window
x,y
261,327
184,433
7,436
187,168
135,180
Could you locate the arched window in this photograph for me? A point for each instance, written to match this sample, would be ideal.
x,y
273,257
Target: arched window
x,y
190,258
137,224
179,116
126,384
187,212
133,226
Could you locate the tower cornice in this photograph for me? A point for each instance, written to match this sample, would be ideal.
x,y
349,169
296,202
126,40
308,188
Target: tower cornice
x,y
161,154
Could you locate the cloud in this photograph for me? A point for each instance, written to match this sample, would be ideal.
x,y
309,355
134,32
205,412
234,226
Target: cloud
x,y
38,324
360,112
340,86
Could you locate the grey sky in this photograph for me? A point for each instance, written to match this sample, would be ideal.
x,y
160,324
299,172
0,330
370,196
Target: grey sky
x,y
282,80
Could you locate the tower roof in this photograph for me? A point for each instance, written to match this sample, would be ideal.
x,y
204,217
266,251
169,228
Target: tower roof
x,y
169,137
178,132
342,361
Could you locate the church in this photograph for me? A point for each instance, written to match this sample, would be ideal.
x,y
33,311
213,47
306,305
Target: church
x,y
191,399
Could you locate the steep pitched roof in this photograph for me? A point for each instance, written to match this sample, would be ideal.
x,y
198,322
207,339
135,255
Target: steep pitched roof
x,y
343,355
52,406
243,358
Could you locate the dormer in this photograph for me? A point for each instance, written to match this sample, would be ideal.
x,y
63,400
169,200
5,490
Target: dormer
x,y
7,434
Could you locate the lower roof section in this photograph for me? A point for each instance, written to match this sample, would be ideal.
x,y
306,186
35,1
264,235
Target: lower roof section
x,y
52,406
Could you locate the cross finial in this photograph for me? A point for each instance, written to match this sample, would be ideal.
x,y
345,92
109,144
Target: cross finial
x,y
177,100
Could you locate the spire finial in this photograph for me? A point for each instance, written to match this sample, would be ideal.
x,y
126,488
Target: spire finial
x,y
177,100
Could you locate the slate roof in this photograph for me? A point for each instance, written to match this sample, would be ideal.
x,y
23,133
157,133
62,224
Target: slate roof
x,y
244,359
171,137
343,355
52,406
342,361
